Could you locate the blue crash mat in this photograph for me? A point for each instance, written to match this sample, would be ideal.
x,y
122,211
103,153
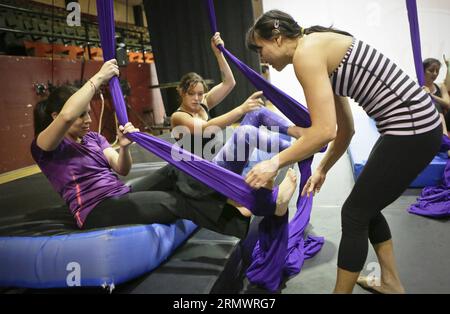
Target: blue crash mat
x,y
105,257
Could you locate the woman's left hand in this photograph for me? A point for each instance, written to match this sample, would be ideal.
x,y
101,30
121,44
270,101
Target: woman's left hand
x,y
128,128
262,173
426,89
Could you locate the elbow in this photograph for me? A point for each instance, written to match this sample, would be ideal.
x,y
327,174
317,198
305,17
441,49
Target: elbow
x,y
123,172
328,136
321,136
230,83
351,133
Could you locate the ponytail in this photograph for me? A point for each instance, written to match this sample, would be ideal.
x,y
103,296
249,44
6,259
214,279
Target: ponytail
x,y
42,119
42,114
322,29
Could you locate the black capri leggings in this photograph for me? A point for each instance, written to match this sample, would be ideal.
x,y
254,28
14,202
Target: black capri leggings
x,y
395,161
144,207
164,196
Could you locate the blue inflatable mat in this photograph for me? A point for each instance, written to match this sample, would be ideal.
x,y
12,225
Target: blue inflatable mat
x,y
365,138
105,257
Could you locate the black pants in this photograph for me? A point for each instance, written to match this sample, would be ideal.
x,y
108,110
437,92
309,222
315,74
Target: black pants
x,y
395,161
165,196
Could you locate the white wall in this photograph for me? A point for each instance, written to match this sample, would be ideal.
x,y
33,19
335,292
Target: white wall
x,y
381,23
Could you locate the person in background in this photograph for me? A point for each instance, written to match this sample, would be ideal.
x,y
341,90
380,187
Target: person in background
x,y
438,92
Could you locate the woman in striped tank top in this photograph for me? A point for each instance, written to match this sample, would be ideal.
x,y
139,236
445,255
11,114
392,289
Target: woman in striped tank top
x,y
332,65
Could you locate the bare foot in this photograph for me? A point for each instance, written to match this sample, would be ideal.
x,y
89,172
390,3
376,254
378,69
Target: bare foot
x,y
243,210
374,284
295,131
285,192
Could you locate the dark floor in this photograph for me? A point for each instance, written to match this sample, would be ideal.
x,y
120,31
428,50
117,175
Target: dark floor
x,y
209,263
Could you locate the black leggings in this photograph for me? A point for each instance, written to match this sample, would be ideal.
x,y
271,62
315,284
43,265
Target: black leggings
x,y
164,196
395,161
144,207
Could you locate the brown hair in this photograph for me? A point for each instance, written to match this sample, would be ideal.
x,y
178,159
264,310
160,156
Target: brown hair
x,y
43,111
189,81
276,22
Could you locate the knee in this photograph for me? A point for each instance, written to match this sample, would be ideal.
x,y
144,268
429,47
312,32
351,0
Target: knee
x,y
353,220
253,116
243,132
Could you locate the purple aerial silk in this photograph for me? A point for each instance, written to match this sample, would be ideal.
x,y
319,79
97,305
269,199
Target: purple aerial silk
x,y
434,201
411,6
282,248
226,182
445,144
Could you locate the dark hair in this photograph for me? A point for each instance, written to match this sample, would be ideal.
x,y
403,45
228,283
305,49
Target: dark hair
x,y
276,22
429,62
190,80
54,103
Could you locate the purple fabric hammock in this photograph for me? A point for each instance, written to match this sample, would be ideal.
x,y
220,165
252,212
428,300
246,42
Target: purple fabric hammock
x,y
434,201
271,257
281,248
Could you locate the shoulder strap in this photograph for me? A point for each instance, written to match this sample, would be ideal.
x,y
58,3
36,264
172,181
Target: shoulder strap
x,y
205,107
179,110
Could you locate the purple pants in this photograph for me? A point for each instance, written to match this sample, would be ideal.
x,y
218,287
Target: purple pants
x,y
236,152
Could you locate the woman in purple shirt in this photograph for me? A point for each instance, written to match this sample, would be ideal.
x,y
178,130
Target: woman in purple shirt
x,y
79,163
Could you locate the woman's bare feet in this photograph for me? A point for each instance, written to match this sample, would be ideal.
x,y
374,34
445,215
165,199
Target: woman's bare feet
x,y
295,131
285,192
243,210
377,285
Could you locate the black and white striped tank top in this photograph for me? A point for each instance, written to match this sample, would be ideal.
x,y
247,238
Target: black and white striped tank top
x,y
398,105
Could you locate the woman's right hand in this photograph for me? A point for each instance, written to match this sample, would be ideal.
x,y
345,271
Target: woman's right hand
x,y
108,70
314,183
216,40
254,102
446,61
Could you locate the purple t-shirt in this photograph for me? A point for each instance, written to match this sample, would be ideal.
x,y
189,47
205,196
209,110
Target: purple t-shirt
x,y
80,173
